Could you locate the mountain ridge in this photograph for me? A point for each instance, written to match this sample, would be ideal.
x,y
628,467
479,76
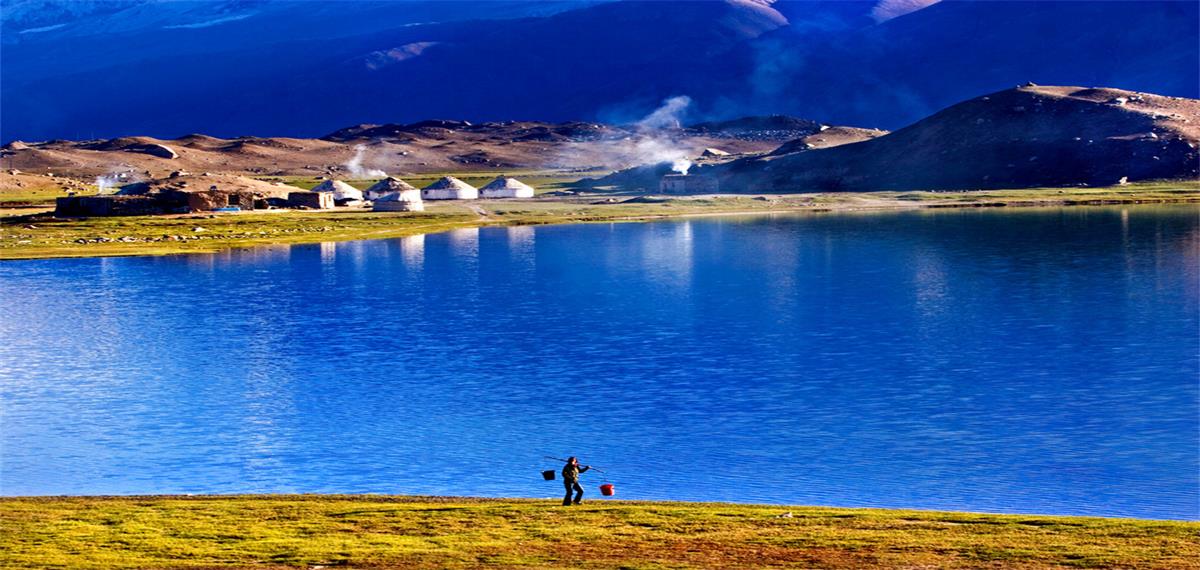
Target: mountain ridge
x,y
586,61
1022,137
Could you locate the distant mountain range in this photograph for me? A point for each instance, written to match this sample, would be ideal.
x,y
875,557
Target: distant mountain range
x,y
1019,137
291,68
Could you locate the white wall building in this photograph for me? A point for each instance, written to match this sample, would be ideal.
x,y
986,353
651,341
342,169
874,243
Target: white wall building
x,y
449,188
404,201
505,187
342,192
389,185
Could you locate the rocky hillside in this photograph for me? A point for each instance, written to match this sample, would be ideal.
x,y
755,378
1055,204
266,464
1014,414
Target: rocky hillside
x,y
365,151
1023,137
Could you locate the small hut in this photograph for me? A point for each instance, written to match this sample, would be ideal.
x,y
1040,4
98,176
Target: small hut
x,y
212,199
112,205
403,201
449,188
389,185
688,184
313,200
343,194
505,187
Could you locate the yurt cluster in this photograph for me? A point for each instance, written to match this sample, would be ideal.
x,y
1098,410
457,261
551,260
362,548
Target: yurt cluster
x,y
394,195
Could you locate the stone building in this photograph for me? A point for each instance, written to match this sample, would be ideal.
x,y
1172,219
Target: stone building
x,y
684,184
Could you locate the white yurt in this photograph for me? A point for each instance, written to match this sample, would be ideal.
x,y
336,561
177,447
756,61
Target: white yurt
x,y
342,192
389,185
449,188
403,201
505,187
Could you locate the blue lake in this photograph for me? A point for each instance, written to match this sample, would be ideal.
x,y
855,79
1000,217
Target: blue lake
x,y
1036,361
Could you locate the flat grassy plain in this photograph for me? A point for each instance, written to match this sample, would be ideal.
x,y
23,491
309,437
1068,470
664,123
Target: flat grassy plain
x,y
36,235
32,196
306,531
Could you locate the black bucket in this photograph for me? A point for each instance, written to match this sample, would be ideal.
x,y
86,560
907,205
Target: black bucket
x,y
548,475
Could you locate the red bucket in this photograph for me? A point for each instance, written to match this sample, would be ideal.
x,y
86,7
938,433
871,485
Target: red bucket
x,y
607,490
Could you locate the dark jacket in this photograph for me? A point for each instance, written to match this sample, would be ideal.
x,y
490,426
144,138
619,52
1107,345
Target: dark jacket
x,y
571,472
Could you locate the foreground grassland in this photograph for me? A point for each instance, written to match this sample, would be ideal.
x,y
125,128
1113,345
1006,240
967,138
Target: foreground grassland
x,y
33,236
413,532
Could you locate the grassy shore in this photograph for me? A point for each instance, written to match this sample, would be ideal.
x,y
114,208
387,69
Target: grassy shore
x,y
38,235
413,532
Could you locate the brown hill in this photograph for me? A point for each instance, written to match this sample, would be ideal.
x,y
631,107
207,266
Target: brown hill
x,y
828,137
1024,137
423,147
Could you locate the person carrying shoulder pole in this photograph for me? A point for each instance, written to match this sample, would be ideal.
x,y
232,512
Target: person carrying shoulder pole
x,y
570,475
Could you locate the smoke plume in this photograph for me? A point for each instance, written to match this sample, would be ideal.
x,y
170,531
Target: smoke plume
x,y
653,139
658,127
107,183
355,166
666,116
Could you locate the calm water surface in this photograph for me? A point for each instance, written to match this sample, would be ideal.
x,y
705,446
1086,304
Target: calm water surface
x,y
1036,361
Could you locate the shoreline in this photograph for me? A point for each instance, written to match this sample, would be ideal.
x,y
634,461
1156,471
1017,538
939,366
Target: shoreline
x,y
391,531
591,498
44,237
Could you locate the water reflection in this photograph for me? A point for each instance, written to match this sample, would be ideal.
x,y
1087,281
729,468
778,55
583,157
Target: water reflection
x,y
413,249
1033,361
666,255
520,238
464,242
328,251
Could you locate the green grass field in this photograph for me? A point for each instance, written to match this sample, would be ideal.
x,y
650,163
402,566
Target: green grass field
x,y
32,236
44,194
413,532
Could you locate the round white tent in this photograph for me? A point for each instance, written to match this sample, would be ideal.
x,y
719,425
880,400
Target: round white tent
x,y
389,185
449,188
505,187
400,201
342,192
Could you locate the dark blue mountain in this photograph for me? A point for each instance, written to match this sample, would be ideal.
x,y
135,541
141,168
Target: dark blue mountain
x,y
308,68
893,74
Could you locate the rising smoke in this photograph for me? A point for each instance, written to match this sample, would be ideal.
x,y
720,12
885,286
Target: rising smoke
x,y
108,183
659,145
667,115
654,141
355,166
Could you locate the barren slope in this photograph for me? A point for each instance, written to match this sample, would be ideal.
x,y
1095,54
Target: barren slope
x,y
1023,137
427,146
